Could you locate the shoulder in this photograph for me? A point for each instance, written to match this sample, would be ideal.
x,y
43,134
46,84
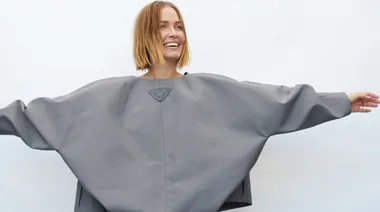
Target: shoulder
x,y
222,80
106,84
212,77
93,91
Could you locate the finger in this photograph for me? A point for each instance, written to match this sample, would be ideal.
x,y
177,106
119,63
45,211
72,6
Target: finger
x,y
371,95
364,96
364,110
375,101
370,104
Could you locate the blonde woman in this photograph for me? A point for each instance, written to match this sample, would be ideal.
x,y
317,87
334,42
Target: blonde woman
x,y
165,141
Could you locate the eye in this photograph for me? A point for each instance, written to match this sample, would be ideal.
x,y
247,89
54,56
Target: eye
x,y
179,27
162,26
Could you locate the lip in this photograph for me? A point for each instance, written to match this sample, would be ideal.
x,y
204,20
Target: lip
x,y
178,44
173,41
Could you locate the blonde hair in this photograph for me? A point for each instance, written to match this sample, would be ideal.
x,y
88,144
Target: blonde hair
x,y
147,41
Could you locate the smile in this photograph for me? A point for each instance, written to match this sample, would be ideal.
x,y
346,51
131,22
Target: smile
x,y
171,44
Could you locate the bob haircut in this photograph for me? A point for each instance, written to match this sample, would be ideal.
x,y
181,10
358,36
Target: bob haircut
x,y
147,41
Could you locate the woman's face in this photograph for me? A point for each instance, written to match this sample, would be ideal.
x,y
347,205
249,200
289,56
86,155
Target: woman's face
x,y
172,34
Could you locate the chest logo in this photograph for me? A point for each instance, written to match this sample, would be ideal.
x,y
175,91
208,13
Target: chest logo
x,y
160,94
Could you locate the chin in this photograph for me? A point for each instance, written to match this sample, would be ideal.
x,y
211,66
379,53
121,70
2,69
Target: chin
x,y
172,57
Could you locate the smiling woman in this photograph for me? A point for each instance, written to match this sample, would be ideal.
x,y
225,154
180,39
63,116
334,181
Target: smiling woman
x,y
168,142
160,41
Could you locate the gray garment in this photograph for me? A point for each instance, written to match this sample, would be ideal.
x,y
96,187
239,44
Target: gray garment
x,y
240,197
172,145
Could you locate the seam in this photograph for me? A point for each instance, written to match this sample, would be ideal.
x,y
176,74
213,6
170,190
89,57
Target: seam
x,y
164,143
80,193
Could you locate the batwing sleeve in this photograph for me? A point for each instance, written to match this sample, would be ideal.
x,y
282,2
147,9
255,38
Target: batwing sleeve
x,y
16,120
44,122
282,109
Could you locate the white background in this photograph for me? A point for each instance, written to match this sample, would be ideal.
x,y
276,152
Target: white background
x,y
50,48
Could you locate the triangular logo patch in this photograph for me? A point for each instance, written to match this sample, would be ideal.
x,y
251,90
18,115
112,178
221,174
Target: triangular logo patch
x,y
160,93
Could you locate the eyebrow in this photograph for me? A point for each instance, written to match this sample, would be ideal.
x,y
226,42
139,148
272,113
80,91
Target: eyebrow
x,y
177,22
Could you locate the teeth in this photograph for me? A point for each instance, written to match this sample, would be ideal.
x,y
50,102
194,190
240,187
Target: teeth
x,y
171,44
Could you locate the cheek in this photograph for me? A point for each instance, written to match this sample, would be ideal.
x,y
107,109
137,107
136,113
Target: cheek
x,y
182,37
163,35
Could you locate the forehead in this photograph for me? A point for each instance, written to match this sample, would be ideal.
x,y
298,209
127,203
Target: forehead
x,y
169,14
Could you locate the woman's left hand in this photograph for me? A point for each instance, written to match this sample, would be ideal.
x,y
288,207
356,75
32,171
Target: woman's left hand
x,y
362,102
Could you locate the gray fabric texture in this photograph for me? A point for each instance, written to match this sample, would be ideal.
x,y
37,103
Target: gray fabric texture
x,y
173,145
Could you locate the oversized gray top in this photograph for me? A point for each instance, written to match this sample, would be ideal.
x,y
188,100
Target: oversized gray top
x,y
172,145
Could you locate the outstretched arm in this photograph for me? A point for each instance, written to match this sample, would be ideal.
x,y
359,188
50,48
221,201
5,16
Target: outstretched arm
x,y
45,122
15,120
287,109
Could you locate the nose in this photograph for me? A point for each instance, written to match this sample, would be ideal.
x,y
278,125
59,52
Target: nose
x,y
172,32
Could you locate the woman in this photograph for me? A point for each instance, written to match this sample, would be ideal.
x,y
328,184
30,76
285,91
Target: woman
x,y
167,141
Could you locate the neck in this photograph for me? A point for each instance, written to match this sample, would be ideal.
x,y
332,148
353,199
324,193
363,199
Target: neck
x,y
162,71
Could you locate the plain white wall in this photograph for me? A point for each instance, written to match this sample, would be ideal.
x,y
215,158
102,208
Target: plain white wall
x,y
49,48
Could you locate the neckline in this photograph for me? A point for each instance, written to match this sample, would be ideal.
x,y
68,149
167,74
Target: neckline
x,y
163,80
